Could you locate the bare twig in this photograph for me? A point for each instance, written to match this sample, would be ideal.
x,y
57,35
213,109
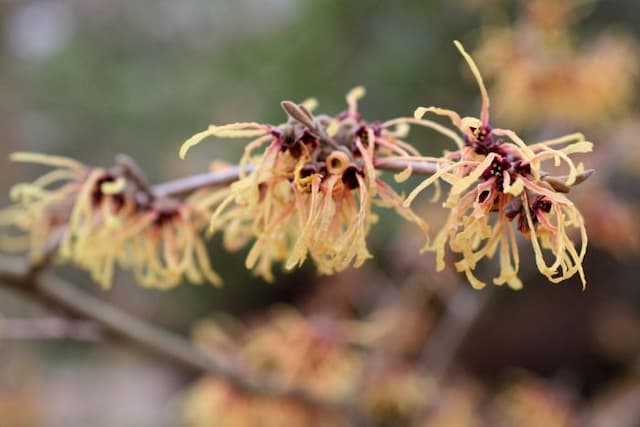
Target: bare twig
x,y
462,311
52,290
418,168
194,182
48,328
191,183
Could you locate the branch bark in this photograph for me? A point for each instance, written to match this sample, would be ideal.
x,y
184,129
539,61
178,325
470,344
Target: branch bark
x,y
48,328
57,293
188,184
191,183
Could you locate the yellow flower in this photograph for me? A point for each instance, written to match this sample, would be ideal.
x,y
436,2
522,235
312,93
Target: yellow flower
x,y
165,245
42,207
101,218
496,178
310,191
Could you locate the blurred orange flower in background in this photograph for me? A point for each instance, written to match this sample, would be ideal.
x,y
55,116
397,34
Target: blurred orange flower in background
x,y
550,76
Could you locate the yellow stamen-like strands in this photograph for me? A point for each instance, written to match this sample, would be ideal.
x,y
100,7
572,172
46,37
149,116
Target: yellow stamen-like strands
x,y
234,130
45,159
484,115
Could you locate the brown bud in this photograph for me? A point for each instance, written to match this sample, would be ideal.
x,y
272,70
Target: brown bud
x,y
299,113
513,208
558,182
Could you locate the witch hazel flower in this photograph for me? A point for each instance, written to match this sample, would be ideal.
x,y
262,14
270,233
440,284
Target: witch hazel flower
x,y
99,219
499,188
307,187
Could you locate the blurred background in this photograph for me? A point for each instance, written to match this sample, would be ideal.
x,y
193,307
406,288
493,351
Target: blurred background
x,y
93,78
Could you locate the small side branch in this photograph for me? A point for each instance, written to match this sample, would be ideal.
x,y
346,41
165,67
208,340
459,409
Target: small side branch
x,y
192,183
462,310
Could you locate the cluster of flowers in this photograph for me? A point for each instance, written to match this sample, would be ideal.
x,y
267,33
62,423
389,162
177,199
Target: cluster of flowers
x,y
306,188
318,355
98,218
310,191
300,198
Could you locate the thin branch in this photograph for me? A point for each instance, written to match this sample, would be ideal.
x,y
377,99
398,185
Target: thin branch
x,y
52,290
462,310
191,183
48,328
227,176
418,168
